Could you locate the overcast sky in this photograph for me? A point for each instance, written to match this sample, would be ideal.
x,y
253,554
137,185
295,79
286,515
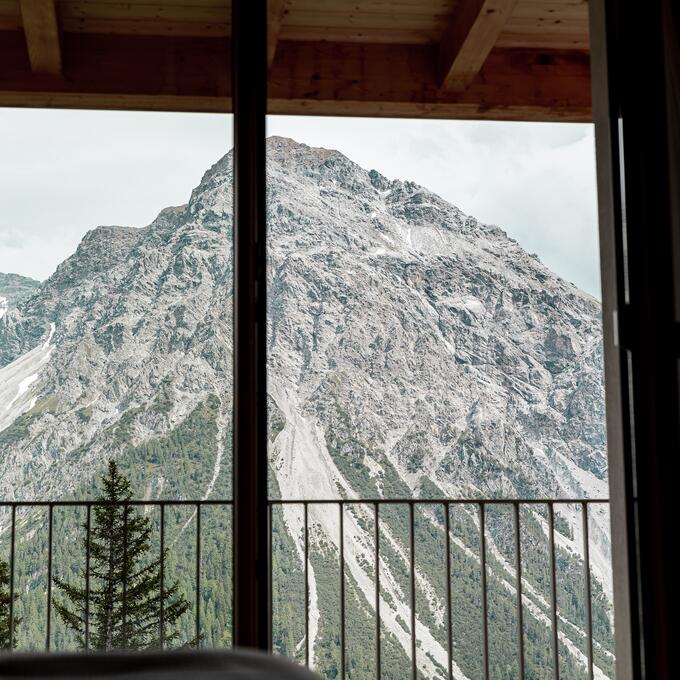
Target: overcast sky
x,y
64,172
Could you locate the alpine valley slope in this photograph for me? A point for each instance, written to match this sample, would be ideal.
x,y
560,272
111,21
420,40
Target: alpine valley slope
x,y
413,351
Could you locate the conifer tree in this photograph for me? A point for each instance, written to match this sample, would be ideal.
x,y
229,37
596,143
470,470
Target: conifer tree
x,y
125,585
4,609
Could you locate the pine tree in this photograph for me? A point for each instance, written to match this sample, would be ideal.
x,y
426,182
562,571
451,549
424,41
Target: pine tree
x,y
125,585
4,609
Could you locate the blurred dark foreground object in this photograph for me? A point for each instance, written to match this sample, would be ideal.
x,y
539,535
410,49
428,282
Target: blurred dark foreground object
x,y
171,665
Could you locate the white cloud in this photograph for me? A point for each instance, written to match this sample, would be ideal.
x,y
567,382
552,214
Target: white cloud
x,y
64,172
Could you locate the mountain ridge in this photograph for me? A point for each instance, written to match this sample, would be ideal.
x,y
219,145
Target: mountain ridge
x,y
375,234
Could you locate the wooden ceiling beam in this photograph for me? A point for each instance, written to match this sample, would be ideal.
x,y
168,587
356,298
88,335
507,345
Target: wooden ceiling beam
x,y
471,35
192,74
395,80
39,18
276,10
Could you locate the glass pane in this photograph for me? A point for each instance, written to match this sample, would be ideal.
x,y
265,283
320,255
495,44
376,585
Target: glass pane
x,y
435,334
116,345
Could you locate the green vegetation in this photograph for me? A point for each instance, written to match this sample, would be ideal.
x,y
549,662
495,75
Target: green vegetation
x,y
5,632
123,602
181,464
349,455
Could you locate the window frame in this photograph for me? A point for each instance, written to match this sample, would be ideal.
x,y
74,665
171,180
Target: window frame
x,y
642,343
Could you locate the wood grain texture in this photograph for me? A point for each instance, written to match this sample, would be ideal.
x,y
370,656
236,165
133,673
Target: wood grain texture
x,y
471,35
545,24
276,10
386,80
192,74
39,19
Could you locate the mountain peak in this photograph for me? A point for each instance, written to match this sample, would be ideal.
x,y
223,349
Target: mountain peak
x,y
283,148
13,289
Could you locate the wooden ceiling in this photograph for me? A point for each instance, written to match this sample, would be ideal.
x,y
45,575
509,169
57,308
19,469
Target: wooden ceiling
x,y
480,59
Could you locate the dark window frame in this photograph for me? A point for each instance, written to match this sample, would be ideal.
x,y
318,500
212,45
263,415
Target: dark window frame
x,y
634,92
635,66
251,530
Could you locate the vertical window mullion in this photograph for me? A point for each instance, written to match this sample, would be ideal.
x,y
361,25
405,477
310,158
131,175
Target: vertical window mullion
x,y
249,48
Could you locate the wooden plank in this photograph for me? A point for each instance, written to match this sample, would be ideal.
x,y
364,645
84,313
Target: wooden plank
x,y
10,23
10,15
204,18
390,80
145,19
192,74
147,26
376,18
131,66
546,40
549,24
276,10
380,24
363,6
362,34
39,18
471,35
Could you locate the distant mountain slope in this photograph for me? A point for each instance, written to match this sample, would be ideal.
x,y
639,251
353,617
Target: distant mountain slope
x,y
13,289
412,351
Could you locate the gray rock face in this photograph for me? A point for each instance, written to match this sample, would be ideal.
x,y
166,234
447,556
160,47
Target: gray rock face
x,y
14,289
408,332
134,310
443,347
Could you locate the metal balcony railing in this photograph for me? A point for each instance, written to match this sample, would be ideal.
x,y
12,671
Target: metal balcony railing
x,y
481,506
26,506
12,512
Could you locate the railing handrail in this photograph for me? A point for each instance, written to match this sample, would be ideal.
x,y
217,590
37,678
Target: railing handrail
x,y
313,501
438,501
85,503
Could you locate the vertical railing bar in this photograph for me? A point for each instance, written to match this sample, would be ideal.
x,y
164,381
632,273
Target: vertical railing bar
x,y
376,540
412,561
306,553
125,572
233,571
198,575
449,625
553,593
518,588
49,577
11,578
485,602
161,618
341,546
588,592
88,538
270,573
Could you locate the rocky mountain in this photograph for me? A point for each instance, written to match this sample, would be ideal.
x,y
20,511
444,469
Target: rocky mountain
x,y
413,351
13,289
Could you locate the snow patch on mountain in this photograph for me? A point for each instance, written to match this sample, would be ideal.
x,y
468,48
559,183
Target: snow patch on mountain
x,y
18,381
